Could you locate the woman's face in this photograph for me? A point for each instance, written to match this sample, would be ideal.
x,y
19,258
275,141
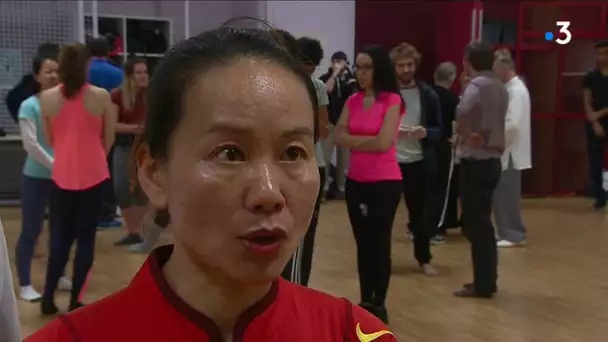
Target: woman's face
x,y
365,71
48,76
140,75
241,179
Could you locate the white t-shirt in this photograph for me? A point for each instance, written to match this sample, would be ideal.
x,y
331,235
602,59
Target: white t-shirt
x,y
323,100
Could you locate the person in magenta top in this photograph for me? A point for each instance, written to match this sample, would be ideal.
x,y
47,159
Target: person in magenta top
x,y
78,123
369,126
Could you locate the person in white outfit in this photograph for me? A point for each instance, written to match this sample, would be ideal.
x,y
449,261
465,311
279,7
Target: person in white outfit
x,y
511,230
10,330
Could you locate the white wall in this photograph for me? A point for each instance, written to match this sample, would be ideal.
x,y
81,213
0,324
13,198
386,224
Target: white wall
x,y
332,22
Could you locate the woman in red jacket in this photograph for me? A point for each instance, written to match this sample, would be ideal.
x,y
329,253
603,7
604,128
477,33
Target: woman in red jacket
x,y
229,153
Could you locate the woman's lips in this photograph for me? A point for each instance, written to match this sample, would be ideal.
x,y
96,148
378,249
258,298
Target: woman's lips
x,y
264,242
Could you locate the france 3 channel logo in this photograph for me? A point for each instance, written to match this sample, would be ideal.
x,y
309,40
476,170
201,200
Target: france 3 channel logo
x,y
564,35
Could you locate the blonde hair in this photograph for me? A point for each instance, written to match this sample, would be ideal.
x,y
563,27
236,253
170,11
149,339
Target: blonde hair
x,y
405,50
128,88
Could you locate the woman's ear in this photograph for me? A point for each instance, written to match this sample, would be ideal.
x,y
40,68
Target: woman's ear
x,y
151,178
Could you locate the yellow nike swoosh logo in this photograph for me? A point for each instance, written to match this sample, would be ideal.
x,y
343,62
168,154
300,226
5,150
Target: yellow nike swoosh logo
x,y
371,337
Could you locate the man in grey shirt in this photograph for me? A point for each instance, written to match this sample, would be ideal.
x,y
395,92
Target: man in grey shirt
x,y
420,134
480,124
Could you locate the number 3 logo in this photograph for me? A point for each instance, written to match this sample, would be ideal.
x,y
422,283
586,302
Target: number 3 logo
x,y
564,25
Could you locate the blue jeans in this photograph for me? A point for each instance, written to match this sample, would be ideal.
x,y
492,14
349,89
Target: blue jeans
x,y
35,194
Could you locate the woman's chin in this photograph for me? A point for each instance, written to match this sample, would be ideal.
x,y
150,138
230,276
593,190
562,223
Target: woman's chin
x,y
255,275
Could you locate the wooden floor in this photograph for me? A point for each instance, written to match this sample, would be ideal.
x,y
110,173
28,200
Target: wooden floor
x,y
554,290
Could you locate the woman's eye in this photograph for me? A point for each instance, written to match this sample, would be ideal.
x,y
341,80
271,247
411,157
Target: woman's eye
x,y
229,154
295,153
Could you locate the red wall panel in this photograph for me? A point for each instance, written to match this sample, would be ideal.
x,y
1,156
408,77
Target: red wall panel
x,y
455,27
388,23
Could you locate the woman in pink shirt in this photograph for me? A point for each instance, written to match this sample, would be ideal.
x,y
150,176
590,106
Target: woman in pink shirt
x,y
369,126
78,123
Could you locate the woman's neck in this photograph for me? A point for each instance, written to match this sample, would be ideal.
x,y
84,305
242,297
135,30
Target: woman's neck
x,y
370,93
220,299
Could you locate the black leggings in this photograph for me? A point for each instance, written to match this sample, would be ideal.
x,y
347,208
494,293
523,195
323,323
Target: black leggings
x,y
371,210
299,266
73,216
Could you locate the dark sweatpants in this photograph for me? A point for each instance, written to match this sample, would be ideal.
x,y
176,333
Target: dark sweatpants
x,y
371,210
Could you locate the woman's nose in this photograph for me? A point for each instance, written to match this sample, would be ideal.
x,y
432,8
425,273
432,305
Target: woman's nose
x,y
264,189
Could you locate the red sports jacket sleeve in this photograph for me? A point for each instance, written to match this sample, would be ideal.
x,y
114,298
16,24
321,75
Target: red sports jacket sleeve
x,y
362,326
56,331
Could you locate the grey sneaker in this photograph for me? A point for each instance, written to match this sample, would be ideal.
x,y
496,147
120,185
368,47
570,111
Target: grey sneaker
x,y
142,248
438,239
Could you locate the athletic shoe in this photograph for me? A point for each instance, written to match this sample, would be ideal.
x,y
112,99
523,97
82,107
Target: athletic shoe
x,y
48,307
29,294
131,239
74,306
509,244
64,284
429,270
381,313
369,307
109,224
438,239
143,248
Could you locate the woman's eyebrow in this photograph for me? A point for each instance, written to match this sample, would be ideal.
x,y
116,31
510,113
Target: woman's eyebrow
x,y
299,131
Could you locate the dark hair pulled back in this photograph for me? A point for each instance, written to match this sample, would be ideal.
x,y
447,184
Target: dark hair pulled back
x,y
185,61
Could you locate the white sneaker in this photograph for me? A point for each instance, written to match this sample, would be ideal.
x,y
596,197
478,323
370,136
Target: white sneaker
x,y
509,244
28,294
64,284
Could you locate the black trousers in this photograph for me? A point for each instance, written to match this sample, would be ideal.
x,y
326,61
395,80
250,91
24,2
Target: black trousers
x,y
478,179
73,216
595,148
371,210
107,209
299,266
419,203
444,161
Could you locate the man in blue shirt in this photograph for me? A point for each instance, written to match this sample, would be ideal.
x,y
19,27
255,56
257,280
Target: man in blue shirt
x,y
105,75
102,73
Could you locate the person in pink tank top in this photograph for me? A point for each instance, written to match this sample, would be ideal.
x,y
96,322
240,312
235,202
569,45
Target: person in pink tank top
x,y
78,123
368,126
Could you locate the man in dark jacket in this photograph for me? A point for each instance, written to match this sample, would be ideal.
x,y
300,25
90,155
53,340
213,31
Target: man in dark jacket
x,y
26,87
445,75
420,135
340,83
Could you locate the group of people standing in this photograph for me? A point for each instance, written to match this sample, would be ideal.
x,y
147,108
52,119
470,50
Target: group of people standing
x,y
403,137
78,123
399,137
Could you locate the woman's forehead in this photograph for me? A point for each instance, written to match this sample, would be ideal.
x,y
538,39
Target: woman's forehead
x,y
250,92
247,83
364,58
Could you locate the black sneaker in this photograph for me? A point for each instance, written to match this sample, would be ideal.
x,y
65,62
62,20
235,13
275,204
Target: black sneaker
x,y
381,313
75,305
369,307
48,307
599,204
131,239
